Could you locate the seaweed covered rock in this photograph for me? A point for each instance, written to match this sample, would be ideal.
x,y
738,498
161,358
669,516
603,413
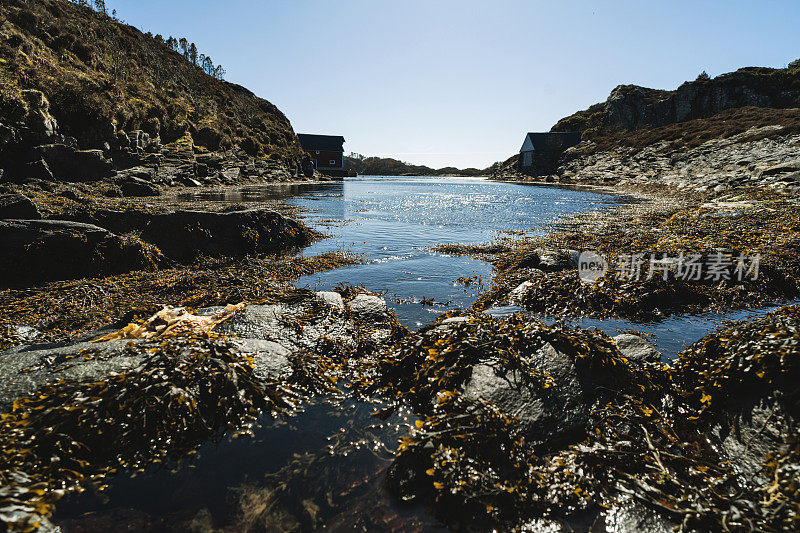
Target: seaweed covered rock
x,y
368,308
153,391
709,445
71,434
183,235
744,380
36,251
545,414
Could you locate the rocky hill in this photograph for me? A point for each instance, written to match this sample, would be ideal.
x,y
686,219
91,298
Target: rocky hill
x,y
83,96
738,129
386,166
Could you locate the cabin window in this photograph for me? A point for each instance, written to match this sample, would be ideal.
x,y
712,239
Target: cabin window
x,y
333,162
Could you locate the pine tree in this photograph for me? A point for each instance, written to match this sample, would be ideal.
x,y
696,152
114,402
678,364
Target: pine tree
x,y
193,53
172,43
184,44
100,6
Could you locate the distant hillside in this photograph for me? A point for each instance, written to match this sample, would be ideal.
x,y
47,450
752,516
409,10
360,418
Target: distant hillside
x,y
384,166
102,77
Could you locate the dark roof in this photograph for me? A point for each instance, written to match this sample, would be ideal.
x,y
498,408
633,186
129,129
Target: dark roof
x,y
554,140
331,143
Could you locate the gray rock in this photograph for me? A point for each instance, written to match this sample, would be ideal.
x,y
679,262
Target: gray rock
x,y
333,299
519,293
268,333
29,368
18,206
751,427
368,309
555,260
636,349
547,416
455,320
270,359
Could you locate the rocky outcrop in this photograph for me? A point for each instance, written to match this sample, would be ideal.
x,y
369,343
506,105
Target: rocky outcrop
x,y
630,107
746,160
183,235
266,333
36,251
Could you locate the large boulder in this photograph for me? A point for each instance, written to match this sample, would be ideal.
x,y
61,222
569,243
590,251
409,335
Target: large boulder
x,y
36,251
266,333
184,235
67,163
18,206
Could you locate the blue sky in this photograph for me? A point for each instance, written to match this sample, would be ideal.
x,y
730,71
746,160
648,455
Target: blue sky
x,y
460,82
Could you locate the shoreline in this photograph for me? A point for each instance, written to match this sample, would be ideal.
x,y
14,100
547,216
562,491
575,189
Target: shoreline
x,y
367,347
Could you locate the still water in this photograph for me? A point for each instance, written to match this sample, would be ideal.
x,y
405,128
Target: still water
x,y
394,222
326,465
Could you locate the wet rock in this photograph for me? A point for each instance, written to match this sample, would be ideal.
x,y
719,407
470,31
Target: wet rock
x,y
751,427
518,295
35,251
18,206
270,359
26,369
368,308
636,349
333,299
547,415
455,320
